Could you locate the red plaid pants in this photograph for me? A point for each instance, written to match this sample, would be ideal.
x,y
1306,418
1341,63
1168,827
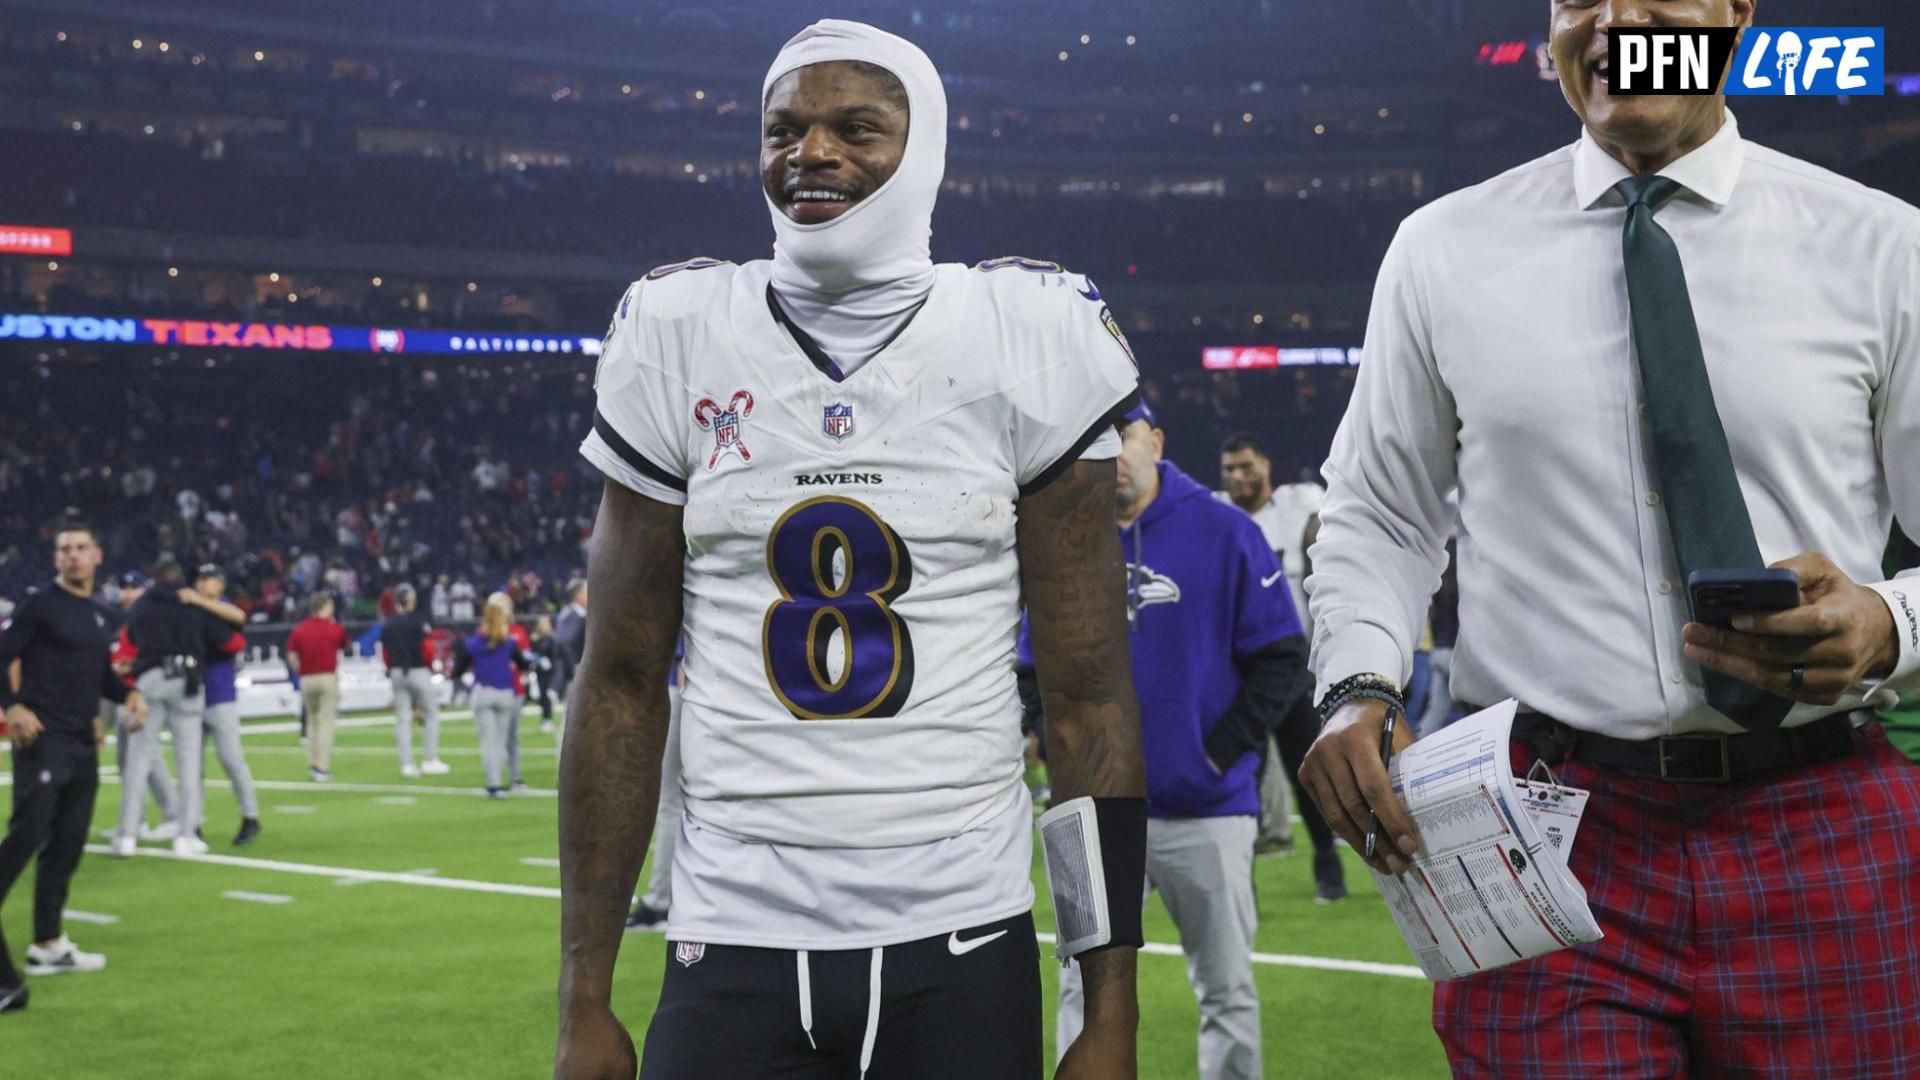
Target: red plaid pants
x,y
1769,929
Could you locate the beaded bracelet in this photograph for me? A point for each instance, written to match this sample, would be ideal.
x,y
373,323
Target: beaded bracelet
x,y
1363,687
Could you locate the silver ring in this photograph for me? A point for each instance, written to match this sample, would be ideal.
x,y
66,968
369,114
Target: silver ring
x,y
1797,678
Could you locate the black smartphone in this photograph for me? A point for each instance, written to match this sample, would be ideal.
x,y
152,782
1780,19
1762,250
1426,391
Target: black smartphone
x,y
1719,595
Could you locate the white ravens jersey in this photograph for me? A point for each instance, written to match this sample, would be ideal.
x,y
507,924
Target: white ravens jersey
x,y
852,586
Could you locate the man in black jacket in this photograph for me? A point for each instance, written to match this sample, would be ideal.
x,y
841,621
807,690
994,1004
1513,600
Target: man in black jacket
x,y
63,640
403,637
175,640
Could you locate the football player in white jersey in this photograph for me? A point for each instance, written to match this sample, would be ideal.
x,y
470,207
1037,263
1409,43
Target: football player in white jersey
x,y
841,472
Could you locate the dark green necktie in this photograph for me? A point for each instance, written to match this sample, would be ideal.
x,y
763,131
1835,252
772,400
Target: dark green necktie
x,y
1706,515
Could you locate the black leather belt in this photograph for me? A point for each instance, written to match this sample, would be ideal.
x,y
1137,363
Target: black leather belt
x,y
1704,758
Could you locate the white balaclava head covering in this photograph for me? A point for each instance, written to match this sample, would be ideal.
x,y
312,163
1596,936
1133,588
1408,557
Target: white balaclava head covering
x,y
852,281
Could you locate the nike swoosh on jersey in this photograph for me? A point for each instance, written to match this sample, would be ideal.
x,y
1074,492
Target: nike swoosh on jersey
x,y
1267,582
1091,292
962,948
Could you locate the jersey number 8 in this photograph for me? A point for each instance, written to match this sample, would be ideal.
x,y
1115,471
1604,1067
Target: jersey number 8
x,y
839,569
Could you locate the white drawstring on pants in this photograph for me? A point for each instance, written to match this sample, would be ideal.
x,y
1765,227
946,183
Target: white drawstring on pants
x,y
805,977
806,998
873,1015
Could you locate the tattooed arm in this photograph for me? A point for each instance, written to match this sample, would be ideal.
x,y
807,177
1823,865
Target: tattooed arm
x,y
610,766
1074,578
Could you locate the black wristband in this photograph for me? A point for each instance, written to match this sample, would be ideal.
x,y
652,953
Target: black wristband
x,y
1123,856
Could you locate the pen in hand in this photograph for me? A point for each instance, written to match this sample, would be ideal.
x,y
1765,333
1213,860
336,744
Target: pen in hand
x,y
1386,757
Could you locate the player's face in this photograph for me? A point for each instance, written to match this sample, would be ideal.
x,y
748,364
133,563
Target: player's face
x,y
1245,475
211,587
76,555
1651,126
1141,445
831,135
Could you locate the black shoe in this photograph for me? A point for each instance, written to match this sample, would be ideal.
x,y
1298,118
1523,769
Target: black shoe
x,y
249,832
14,998
496,793
646,920
1330,884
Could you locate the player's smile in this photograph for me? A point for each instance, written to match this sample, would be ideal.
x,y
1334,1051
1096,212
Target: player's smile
x,y
833,134
811,201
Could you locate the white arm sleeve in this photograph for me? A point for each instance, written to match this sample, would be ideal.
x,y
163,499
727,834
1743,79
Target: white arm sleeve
x,y
1896,423
1386,518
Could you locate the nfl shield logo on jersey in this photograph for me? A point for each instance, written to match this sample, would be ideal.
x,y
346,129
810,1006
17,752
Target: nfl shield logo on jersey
x,y
689,953
838,421
725,425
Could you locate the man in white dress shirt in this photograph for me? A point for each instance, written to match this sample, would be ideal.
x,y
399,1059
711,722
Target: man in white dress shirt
x,y
1661,349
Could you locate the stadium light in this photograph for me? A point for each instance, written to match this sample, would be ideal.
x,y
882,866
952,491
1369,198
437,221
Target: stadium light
x,y
1258,318
1246,118
1063,56
61,36
275,276
473,286
53,264
626,88
1173,118
1086,39
376,283
1384,112
1131,39
699,95
1319,129
173,271
164,46
138,44
258,56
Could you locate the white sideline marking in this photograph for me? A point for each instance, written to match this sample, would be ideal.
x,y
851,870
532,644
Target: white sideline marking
x,y
534,860
257,897
395,800
388,751
293,809
429,881
347,881
426,879
292,727
93,917
411,788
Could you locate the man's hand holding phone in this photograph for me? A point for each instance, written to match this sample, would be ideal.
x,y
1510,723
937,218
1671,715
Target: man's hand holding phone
x,y
1838,635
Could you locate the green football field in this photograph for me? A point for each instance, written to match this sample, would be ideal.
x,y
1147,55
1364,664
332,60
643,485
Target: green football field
x,y
392,928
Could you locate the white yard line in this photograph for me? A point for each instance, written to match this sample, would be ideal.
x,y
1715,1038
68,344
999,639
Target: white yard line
x,y
534,860
256,897
425,879
93,917
293,810
292,727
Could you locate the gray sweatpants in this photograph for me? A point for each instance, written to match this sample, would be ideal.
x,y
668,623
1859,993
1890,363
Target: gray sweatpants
x,y
223,723
159,780
513,738
1276,797
413,689
172,709
666,823
1203,868
492,715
